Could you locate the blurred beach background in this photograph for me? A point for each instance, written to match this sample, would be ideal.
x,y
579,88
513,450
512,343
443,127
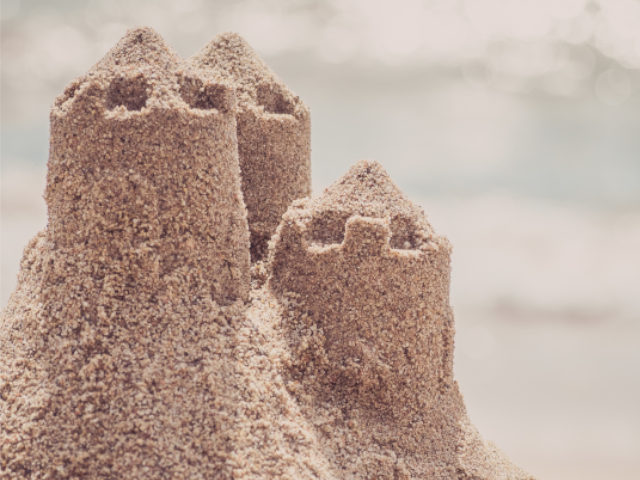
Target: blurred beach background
x,y
515,124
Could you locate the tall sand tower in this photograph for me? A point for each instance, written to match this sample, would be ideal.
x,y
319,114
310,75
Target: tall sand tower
x,y
273,134
140,171
116,347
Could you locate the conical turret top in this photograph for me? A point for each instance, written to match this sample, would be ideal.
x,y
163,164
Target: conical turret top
x,y
367,189
229,56
140,70
140,48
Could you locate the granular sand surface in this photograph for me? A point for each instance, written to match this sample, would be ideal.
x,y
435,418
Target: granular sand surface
x,y
142,343
274,134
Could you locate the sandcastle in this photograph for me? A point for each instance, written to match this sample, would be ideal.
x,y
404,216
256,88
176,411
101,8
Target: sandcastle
x,y
188,312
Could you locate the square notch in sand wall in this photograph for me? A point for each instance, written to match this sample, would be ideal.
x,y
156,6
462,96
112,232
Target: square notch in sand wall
x,y
140,343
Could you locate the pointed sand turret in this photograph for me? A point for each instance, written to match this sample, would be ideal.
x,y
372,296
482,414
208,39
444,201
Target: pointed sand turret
x,y
365,281
367,189
273,134
129,118
118,349
139,71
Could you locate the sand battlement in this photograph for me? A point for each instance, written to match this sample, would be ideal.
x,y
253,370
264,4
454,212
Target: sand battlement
x,y
320,233
125,97
202,94
274,99
122,97
347,218
122,90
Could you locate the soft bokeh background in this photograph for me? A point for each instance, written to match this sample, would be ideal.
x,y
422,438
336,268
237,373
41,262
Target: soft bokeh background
x,y
516,124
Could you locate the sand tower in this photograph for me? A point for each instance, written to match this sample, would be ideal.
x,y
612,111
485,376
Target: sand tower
x,y
143,168
115,348
273,134
371,275
365,283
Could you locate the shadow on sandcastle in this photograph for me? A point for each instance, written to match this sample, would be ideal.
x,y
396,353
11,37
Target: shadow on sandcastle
x,y
190,312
